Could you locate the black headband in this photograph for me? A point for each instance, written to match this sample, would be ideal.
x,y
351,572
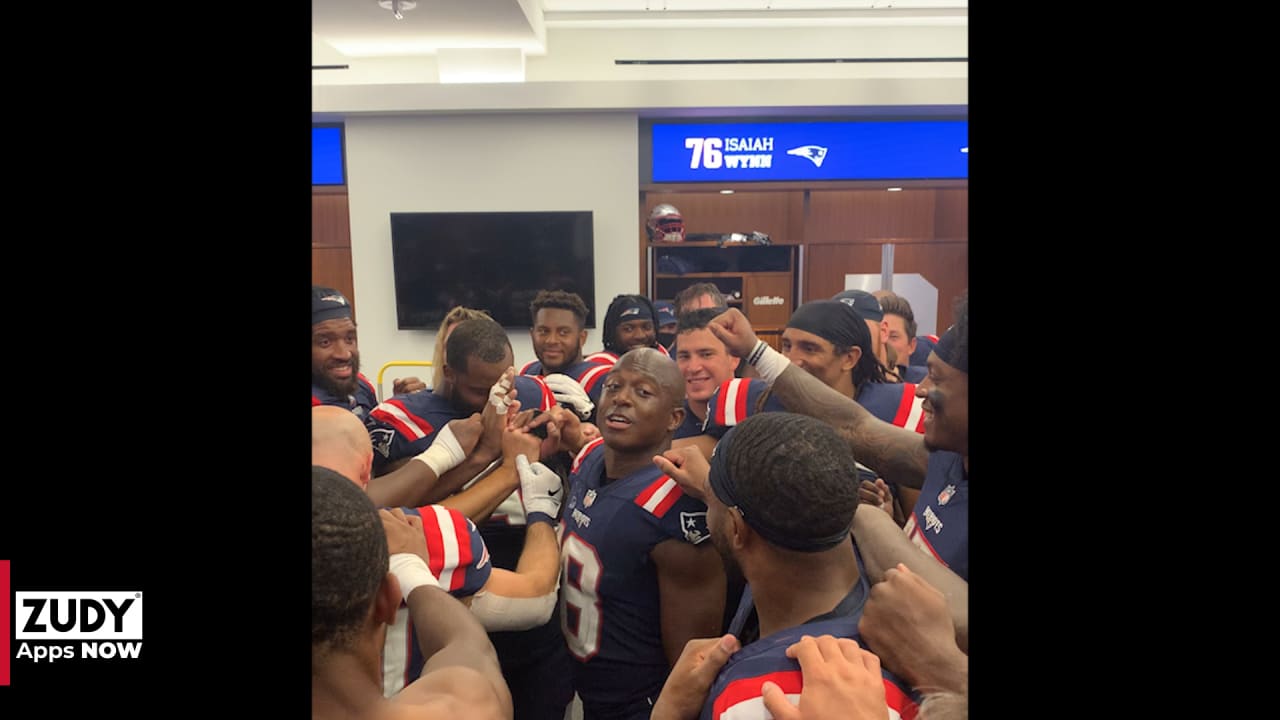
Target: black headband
x,y
724,488
947,351
830,320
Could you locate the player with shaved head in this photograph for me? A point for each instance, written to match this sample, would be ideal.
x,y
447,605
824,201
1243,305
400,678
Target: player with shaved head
x,y
638,579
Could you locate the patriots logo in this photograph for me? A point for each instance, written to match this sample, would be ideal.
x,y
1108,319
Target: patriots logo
x,y
382,438
945,495
694,526
816,153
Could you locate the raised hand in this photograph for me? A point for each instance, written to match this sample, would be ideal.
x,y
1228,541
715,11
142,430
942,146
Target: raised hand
x,y
401,386
518,441
573,433
467,431
734,330
876,493
569,392
404,532
690,680
689,468
540,489
908,624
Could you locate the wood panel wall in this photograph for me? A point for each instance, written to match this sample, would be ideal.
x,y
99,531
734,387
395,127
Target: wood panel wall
x,y
331,242
826,265
945,264
859,216
952,214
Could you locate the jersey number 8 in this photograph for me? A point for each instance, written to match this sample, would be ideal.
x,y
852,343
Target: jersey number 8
x,y
581,597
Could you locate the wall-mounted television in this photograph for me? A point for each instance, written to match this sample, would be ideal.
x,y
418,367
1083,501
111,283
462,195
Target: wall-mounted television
x,y
493,261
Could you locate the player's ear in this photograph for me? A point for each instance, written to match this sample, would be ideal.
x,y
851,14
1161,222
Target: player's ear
x,y
740,533
387,601
850,360
677,417
582,337
366,470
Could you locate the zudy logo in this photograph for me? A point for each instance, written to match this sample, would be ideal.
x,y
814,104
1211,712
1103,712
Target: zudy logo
x,y
85,624
69,615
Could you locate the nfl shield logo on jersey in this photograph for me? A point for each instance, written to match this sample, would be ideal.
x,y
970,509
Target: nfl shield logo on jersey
x,y
590,498
946,494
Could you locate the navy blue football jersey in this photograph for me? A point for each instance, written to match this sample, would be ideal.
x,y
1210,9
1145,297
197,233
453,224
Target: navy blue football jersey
x,y
735,695
362,403
609,602
894,403
690,426
736,400
939,524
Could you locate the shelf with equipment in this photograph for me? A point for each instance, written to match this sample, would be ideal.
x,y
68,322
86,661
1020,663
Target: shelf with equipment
x,y
758,279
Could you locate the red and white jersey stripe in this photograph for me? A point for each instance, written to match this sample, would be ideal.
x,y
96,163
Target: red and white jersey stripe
x,y
394,413
448,544
584,452
593,376
733,409
910,413
660,496
741,699
604,357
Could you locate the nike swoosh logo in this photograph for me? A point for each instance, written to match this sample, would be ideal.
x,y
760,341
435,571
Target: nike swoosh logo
x,y
553,492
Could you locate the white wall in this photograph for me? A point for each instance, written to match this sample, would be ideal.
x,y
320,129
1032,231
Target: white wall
x,y
526,162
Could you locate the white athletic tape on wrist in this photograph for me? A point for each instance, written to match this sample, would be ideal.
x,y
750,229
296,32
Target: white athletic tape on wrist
x,y
499,613
768,362
412,573
444,454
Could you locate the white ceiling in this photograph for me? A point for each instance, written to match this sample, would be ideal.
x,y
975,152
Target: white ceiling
x,y
569,43
363,28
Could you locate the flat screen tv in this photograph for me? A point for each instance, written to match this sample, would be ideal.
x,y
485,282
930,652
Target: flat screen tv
x,y
493,261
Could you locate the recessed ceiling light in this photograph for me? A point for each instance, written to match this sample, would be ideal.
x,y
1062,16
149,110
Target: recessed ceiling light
x,y
895,189
726,192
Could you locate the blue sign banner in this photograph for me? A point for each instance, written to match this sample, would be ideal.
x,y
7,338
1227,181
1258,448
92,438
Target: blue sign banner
x,y
326,156
900,150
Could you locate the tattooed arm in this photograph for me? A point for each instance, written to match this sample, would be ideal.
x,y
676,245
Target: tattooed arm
x,y
897,454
